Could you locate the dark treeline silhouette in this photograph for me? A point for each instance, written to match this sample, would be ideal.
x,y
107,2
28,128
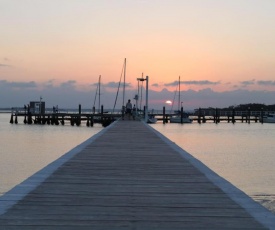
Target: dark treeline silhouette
x,y
245,107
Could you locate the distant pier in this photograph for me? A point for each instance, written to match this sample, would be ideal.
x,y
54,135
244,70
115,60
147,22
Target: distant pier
x,y
59,118
129,176
105,118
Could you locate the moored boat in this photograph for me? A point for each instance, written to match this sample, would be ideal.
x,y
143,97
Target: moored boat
x,y
178,119
269,118
152,119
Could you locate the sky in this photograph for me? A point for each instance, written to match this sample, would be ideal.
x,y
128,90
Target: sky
x,y
223,51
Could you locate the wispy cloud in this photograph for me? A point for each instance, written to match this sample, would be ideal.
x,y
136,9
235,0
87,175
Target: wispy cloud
x,y
115,85
247,83
30,84
202,82
4,65
67,84
266,83
69,95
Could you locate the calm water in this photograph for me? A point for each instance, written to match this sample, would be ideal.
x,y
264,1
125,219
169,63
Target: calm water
x,y
25,149
243,153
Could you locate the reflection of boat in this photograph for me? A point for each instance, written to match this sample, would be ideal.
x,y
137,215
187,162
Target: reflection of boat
x,y
269,118
152,119
180,117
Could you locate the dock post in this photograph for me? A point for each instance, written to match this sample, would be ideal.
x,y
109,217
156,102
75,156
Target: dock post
x,y
79,117
262,115
48,120
16,121
163,115
11,120
181,115
29,118
62,120
101,114
199,116
233,115
88,122
203,119
72,121
92,121
216,115
248,117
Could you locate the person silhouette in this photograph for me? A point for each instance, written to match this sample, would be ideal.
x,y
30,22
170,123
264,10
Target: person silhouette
x,y
129,108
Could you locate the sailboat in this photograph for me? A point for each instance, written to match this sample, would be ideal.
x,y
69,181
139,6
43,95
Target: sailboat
x,y
180,117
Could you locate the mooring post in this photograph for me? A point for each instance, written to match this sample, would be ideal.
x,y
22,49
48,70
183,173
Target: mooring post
x,y
163,115
101,112
249,114
79,115
49,120
181,115
29,118
92,121
233,115
262,115
199,116
216,114
62,121
11,120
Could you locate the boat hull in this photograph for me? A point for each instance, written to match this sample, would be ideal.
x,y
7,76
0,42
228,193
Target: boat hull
x,y
178,120
270,118
152,120
267,120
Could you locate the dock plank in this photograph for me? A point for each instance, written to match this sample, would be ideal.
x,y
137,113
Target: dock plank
x,y
128,178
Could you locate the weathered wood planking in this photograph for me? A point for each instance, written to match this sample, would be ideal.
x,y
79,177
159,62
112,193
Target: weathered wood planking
x,y
128,178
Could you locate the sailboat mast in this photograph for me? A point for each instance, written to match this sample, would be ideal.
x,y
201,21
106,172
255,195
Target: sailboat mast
x,y
179,95
99,93
124,82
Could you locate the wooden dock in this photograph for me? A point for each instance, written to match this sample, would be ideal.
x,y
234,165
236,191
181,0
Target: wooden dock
x,y
129,177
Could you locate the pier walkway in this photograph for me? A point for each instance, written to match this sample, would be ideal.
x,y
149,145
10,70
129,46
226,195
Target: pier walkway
x,y
129,177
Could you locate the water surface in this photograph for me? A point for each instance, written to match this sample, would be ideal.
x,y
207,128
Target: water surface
x,y
242,153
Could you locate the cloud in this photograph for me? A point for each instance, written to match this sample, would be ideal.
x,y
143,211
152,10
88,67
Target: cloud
x,y
68,84
247,83
49,83
115,85
8,84
155,85
4,65
112,84
68,95
266,83
203,82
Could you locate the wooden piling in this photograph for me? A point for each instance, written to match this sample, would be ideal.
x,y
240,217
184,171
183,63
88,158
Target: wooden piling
x,y
163,115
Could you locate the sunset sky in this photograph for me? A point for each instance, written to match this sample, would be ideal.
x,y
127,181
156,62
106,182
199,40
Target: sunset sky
x,y
224,51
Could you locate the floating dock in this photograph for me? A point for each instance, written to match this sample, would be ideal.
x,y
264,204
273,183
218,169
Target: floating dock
x,y
129,176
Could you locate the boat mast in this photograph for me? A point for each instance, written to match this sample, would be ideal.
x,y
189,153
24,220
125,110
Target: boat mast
x,y
99,93
124,82
179,95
